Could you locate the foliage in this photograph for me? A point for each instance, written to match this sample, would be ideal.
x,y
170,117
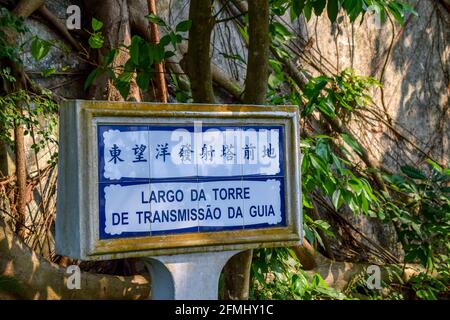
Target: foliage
x,y
353,8
418,203
277,274
37,112
39,117
40,48
418,207
338,95
10,23
420,211
327,162
143,55
10,285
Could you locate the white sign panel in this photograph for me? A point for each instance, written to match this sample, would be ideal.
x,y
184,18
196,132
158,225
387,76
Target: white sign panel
x,y
158,180
143,179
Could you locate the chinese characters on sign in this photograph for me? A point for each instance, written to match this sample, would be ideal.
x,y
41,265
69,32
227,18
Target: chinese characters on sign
x,y
207,152
162,180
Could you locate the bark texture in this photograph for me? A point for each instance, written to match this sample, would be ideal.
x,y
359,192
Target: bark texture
x,y
41,279
198,56
160,80
116,29
237,270
23,9
258,52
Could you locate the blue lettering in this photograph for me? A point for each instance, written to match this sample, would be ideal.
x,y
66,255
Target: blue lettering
x,y
119,218
234,213
115,219
142,198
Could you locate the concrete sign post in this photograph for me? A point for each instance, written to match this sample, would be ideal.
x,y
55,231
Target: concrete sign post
x,y
187,185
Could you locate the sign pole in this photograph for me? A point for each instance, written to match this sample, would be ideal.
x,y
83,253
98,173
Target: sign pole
x,y
189,276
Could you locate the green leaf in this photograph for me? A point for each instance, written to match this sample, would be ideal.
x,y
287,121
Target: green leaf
x,y
183,26
309,108
109,58
123,87
318,163
318,6
332,9
352,143
91,77
48,72
96,41
364,203
273,81
306,202
168,54
125,76
158,53
353,7
165,40
297,8
396,10
10,284
146,54
173,39
413,172
280,31
355,185
336,199
134,49
143,79
96,24
156,20
435,165
379,10
182,96
307,11
39,48
353,205
326,107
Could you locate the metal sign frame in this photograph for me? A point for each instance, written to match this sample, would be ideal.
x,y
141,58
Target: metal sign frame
x,y
77,221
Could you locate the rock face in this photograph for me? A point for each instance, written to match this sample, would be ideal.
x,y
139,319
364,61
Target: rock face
x,y
70,68
411,61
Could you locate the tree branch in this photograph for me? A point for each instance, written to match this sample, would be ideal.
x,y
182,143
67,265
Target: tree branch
x,y
41,279
60,27
160,79
25,8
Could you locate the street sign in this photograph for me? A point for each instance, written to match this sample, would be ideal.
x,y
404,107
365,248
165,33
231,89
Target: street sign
x,y
140,179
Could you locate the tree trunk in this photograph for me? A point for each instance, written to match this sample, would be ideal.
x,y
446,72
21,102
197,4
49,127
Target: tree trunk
x,y
21,183
237,270
26,7
23,9
258,52
116,30
198,55
41,279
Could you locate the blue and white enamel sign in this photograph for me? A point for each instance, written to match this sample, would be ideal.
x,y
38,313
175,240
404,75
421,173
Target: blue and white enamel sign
x,y
170,179
139,179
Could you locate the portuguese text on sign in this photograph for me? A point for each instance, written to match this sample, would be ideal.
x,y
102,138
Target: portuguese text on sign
x,y
146,179
160,180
